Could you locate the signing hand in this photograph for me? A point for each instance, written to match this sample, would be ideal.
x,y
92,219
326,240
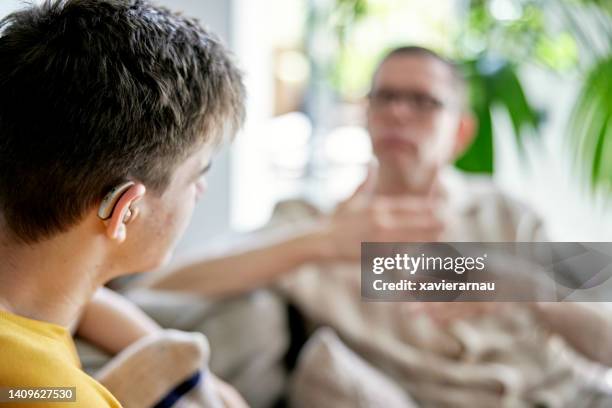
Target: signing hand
x,y
364,217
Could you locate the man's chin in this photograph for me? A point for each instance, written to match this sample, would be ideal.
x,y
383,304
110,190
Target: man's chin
x,y
396,158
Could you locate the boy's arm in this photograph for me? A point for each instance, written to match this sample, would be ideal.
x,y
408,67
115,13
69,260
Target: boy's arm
x,y
112,322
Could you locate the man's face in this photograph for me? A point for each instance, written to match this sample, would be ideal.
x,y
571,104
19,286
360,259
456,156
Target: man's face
x,y
163,219
414,113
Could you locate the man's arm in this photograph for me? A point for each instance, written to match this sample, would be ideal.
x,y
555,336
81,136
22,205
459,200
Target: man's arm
x,y
270,254
585,326
238,269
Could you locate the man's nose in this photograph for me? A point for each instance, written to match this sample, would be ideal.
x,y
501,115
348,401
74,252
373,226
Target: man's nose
x,y
401,112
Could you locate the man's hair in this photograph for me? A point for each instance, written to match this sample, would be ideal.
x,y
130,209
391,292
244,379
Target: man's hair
x,y
96,92
457,75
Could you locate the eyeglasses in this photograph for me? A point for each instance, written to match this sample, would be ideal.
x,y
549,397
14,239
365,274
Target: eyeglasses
x,y
419,102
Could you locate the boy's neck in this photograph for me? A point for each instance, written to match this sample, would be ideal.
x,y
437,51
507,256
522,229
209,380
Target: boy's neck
x,y
49,281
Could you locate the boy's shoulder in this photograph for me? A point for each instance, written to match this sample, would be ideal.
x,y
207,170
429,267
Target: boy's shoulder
x,y
40,355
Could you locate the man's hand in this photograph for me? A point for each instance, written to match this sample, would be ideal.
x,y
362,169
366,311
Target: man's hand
x,y
367,218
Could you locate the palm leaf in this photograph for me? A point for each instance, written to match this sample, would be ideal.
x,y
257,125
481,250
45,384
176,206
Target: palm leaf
x,y
491,88
590,130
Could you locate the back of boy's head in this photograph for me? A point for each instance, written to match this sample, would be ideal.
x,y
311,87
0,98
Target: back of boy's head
x,y
96,92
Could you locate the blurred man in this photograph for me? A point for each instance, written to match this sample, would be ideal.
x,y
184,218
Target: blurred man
x,y
452,354
418,121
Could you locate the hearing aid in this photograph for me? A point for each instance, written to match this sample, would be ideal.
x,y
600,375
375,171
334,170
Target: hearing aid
x,y
110,201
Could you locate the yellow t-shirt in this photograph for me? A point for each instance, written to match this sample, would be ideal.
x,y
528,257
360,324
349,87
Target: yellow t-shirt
x,y
39,354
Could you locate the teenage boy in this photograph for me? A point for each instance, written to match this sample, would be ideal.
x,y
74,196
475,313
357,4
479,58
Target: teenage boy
x,y
110,111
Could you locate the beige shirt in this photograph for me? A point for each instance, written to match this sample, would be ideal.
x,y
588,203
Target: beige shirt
x,y
501,359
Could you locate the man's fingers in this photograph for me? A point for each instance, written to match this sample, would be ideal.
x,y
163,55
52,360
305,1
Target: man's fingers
x,y
402,218
411,232
407,223
406,205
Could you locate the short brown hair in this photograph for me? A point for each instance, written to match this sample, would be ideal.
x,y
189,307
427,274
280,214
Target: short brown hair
x,y
95,92
457,74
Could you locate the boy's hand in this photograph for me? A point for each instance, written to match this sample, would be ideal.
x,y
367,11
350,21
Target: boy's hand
x,y
228,394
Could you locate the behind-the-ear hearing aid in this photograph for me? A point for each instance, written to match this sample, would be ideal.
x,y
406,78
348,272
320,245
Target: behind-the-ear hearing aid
x,y
110,201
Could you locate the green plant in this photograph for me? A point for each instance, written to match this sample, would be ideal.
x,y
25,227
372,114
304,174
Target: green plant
x,y
590,130
590,124
494,84
586,25
502,47
493,48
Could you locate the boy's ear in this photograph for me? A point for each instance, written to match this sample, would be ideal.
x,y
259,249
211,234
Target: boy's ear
x,y
465,133
121,210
